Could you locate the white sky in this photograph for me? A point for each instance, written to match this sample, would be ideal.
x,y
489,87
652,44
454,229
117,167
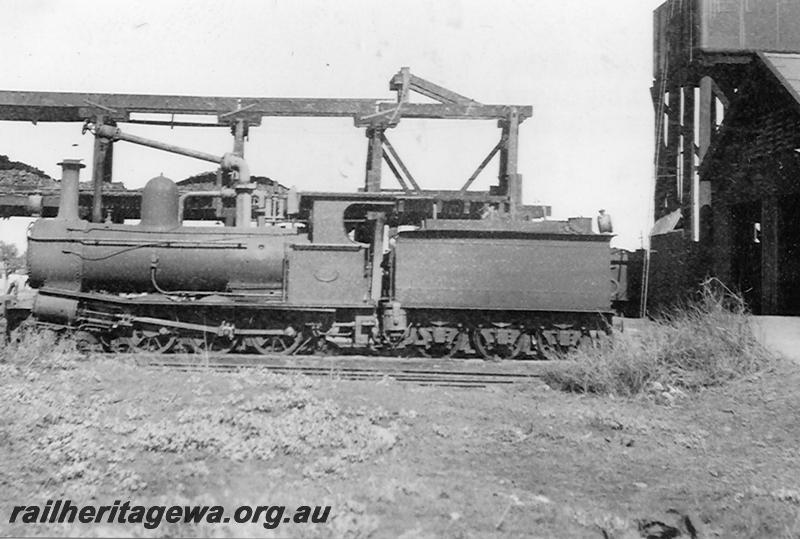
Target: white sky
x,y
584,65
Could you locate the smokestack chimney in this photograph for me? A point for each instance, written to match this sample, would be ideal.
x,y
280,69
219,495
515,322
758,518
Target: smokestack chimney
x,y
70,176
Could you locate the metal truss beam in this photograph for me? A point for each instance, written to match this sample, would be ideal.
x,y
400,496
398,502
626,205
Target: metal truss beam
x,y
240,113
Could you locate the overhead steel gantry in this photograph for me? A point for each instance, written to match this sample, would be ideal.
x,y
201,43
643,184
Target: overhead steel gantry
x,y
374,115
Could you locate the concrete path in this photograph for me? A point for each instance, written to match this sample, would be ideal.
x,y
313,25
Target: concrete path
x,y
780,334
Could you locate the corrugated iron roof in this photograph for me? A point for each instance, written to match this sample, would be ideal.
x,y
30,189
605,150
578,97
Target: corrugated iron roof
x,y
786,67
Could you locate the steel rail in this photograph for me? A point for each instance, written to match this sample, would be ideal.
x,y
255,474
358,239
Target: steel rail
x,y
439,372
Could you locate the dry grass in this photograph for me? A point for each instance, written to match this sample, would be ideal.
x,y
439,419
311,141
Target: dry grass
x,y
703,343
36,348
401,460
95,429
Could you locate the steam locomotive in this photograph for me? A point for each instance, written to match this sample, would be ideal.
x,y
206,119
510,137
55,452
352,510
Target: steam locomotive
x,y
368,271
338,271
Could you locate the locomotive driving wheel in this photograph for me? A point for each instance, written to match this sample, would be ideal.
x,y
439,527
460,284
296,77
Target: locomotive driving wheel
x,y
87,342
276,344
212,343
117,344
156,341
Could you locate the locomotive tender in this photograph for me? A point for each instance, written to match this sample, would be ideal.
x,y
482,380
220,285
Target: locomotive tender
x,y
385,271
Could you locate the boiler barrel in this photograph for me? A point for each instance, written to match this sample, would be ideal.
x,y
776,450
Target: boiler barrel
x,y
119,258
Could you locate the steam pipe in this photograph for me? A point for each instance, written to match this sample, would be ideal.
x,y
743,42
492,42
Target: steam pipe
x,y
115,133
244,205
220,193
244,189
229,161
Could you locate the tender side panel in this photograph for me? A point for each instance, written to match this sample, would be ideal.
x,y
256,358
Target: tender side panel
x,y
503,273
327,275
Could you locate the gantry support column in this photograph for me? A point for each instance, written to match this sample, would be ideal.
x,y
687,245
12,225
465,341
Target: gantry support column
x,y
102,164
240,132
244,190
372,181
509,180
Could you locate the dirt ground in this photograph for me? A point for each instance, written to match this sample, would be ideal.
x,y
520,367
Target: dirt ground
x,y
397,460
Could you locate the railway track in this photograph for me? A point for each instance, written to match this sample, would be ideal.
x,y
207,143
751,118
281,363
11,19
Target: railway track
x,y
452,372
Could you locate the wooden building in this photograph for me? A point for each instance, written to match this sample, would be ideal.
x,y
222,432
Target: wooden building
x,y
727,191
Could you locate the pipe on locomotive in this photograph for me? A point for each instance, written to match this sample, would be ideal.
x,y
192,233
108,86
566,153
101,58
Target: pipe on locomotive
x,y
70,183
222,193
228,161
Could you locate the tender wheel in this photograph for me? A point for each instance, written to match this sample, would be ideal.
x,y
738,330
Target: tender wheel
x,y
396,343
152,341
586,343
276,344
545,350
496,352
444,350
424,339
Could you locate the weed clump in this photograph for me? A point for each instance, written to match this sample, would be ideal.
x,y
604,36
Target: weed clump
x,y
707,341
38,348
